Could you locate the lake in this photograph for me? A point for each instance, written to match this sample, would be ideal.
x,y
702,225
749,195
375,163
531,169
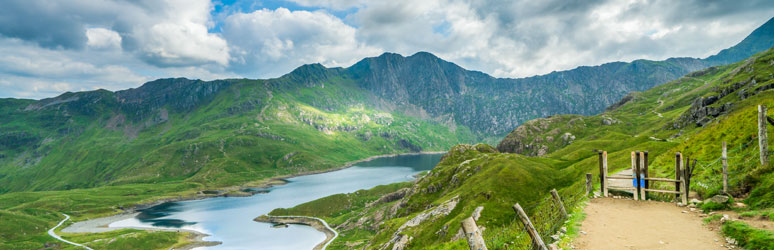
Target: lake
x,y
230,219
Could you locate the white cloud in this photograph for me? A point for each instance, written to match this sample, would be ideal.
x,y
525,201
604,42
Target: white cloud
x,y
179,36
332,4
101,38
29,71
269,43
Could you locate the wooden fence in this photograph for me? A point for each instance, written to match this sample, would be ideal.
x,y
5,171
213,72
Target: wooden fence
x,y
641,180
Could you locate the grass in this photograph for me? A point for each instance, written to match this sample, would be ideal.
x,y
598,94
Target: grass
x,y
747,236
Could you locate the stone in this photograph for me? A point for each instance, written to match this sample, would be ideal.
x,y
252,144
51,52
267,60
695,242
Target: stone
x,y
739,204
695,201
718,199
725,218
563,230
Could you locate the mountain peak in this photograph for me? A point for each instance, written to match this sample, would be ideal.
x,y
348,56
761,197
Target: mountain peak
x,y
759,40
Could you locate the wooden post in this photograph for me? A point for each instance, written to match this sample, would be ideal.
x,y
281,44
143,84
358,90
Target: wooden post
x,y
688,173
533,233
589,185
647,183
473,235
678,162
601,171
641,175
559,202
725,168
604,173
683,183
635,191
684,195
763,138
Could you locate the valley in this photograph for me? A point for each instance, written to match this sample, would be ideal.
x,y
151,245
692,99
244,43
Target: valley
x,y
99,153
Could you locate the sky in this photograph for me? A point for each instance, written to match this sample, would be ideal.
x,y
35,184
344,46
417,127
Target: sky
x,y
50,47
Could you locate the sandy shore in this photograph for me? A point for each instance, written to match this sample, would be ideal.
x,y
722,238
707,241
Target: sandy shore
x,y
100,225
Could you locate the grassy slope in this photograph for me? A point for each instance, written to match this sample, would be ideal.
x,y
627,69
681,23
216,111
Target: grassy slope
x,y
211,147
510,178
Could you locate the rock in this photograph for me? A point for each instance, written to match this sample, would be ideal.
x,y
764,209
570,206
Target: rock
x,y
661,242
693,209
694,201
563,230
555,237
583,232
718,199
739,204
477,213
725,218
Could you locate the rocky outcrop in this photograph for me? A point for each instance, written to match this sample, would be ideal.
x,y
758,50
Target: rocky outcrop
x,y
401,241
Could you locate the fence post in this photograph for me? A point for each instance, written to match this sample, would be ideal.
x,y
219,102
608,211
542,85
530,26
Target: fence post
x,y
647,183
473,235
684,195
530,228
604,173
601,171
643,173
678,162
589,185
635,191
725,169
558,201
763,137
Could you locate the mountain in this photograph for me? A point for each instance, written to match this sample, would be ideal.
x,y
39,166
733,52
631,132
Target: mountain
x,y
226,132
759,40
693,115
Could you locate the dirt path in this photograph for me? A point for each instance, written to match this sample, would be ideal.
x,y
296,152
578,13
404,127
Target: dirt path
x,y
52,232
628,224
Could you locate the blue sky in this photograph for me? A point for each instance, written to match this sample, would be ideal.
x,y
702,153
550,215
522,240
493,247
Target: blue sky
x,y
49,47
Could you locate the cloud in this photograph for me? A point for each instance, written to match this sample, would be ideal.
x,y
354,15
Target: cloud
x,y
101,38
51,46
524,38
269,43
163,33
179,36
331,4
33,72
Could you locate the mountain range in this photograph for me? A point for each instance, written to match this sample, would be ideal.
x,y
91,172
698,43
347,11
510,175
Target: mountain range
x,y
228,132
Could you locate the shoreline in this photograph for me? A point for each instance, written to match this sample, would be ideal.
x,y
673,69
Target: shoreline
x,y
347,165
314,222
100,224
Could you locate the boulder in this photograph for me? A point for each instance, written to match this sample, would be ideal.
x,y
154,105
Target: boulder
x,y
718,199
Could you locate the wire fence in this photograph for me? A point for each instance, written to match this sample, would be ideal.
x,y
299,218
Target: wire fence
x,y
545,215
707,177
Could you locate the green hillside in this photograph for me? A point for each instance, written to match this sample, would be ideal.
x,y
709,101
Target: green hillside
x,y
692,115
100,152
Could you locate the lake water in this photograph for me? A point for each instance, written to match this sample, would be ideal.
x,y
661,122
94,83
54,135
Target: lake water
x,y
230,219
